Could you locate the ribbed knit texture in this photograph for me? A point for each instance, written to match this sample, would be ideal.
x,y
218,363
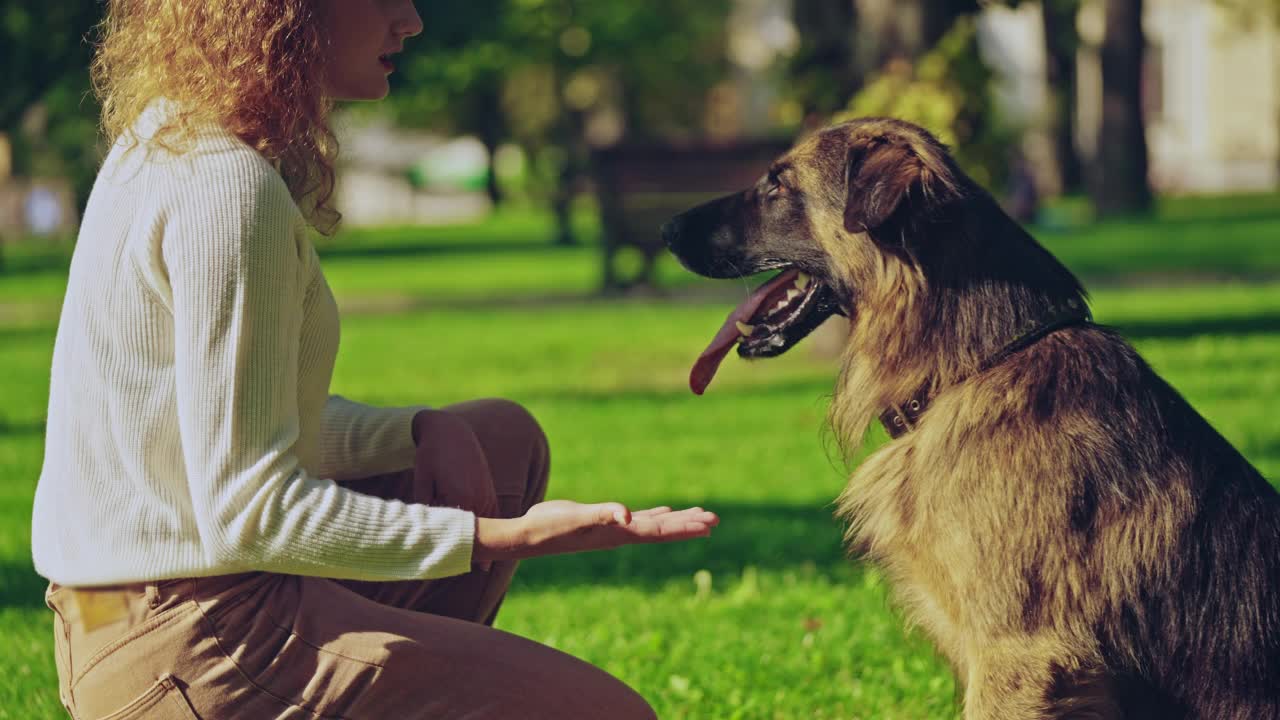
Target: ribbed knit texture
x,y
191,431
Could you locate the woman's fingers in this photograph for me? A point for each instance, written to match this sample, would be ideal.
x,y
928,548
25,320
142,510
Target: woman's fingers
x,y
618,514
694,514
560,526
665,511
615,513
669,526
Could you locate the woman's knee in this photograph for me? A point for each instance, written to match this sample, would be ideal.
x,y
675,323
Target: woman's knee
x,y
515,448
508,675
624,702
491,421
500,417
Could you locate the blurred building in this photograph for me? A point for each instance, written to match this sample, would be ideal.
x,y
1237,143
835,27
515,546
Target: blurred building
x,y
40,207
389,175
1210,95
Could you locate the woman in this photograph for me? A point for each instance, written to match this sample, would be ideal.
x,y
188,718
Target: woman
x,y
200,484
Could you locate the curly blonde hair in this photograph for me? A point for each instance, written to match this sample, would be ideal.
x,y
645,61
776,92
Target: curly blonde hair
x,y
252,66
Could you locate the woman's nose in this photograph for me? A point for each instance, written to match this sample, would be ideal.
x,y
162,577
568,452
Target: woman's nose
x,y
409,23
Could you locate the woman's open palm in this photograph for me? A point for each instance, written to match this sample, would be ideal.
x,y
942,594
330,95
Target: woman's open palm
x,y
562,526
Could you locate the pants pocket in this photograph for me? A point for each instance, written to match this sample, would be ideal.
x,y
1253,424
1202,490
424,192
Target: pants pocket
x,y
162,701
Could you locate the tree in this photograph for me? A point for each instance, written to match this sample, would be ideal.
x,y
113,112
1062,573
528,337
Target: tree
x,y
948,91
451,76
1061,42
535,72
843,43
44,57
41,43
1120,184
824,70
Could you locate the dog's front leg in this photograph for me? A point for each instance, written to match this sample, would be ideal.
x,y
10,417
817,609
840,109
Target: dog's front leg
x,y
1035,678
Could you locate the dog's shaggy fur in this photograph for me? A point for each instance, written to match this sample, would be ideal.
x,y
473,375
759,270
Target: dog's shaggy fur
x,y
1076,539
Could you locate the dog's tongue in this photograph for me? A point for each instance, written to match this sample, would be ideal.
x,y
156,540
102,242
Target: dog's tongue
x,y
704,369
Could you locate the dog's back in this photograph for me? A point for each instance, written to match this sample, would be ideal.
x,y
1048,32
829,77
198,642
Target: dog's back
x,y
1194,630
1208,631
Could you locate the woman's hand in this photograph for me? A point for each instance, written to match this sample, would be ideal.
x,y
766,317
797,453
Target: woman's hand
x,y
561,526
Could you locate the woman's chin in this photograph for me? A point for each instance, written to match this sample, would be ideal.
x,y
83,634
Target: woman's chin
x,y
365,91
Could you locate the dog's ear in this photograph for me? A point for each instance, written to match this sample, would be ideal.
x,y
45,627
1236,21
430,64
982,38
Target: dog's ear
x,y
879,177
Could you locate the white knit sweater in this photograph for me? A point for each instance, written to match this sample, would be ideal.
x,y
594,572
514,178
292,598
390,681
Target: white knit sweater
x,y
191,431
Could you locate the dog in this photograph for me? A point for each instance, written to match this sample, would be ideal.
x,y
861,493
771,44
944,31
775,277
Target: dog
x,y
1075,539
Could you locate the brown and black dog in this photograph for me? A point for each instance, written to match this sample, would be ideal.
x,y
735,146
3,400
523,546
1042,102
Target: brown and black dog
x,y
1074,537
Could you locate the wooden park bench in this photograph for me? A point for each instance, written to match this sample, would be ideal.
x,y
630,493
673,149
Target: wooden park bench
x,y
639,186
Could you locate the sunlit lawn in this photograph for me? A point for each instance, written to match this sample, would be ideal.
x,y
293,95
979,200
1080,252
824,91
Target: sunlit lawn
x,y
765,620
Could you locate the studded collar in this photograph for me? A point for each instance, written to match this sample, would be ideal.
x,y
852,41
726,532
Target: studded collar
x,y
899,419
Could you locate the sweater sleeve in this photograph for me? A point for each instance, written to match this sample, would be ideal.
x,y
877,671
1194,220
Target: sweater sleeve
x,y
237,283
358,440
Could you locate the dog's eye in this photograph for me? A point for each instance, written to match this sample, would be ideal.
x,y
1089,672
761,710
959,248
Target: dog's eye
x,y
776,189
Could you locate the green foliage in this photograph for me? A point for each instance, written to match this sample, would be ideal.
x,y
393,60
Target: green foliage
x,y
44,57
948,92
1249,15
535,72
823,72
40,44
67,144
535,57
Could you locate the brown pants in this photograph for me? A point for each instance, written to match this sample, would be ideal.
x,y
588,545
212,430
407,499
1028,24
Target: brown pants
x,y
263,645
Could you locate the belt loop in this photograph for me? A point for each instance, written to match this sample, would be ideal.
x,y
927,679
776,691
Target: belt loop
x,y
152,595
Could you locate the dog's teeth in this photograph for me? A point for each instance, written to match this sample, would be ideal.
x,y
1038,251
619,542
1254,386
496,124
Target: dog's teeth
x,y
745,329
792,294
802,281
782,304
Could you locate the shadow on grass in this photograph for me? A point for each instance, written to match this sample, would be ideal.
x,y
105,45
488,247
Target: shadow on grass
x,y
1260,324
689,292
819,389
767,537
460,247
1151,227
1208,220
20,586
58,263
17,428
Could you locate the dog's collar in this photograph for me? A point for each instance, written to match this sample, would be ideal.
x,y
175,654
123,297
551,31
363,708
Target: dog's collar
x,y
898,420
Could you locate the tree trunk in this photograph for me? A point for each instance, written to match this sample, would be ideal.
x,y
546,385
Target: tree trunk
x,y
491,186
491,129
1120,184
562,205
1061,41
566,133
937,17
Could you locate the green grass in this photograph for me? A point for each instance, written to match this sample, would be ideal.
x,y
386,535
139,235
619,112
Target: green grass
x,y
767,619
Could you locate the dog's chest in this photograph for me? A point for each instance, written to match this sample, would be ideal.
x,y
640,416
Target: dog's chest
x,y
927,523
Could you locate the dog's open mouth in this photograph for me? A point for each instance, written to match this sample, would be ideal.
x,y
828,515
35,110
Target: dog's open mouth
x,y
776,316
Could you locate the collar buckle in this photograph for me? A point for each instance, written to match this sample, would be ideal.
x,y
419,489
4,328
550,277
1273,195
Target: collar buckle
x,y
898,420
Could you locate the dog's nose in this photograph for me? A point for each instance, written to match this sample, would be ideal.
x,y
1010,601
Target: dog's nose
x,y
671,233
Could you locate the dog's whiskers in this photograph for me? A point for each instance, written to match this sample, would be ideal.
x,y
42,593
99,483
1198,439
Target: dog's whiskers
x,y
746,286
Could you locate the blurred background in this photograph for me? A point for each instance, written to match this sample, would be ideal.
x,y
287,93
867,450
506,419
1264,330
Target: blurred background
x,y
518,103
501,238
